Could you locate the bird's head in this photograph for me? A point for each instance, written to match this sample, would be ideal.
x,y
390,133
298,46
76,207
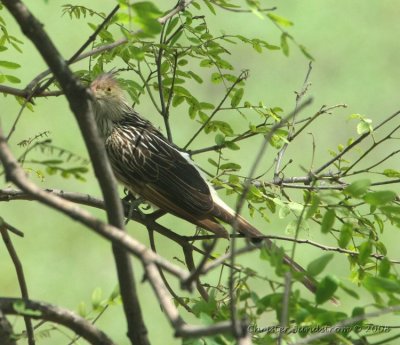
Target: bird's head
x,y
108,98
105,88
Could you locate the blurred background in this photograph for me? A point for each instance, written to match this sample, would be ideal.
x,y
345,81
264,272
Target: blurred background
x,y
356,50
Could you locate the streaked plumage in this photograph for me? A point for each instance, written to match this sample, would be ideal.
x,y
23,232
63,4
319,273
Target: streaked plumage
x,y
151,166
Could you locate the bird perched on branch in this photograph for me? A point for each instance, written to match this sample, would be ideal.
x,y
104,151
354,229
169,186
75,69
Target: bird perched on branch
x,y
151,166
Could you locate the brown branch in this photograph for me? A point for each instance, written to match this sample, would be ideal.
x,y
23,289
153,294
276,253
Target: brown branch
x,y
20,276
182,4
80,105
25,92
82,56
48,312
11,228
6,331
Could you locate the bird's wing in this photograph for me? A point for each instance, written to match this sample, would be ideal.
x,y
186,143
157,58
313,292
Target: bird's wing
x,y
145,157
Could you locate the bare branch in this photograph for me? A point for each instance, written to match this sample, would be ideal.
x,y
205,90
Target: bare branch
x,y
25,93
44,311
20,276
182,4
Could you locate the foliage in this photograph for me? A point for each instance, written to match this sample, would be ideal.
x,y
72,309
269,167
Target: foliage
x,y
347,199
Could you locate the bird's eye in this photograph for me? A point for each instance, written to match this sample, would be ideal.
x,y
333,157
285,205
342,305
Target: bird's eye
x,y
109,89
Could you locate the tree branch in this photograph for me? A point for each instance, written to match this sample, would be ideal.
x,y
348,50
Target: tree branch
x,y
182,4
6,331
48,312
81,107
20,276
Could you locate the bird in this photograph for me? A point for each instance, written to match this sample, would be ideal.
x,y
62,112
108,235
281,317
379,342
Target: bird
x,y
152,167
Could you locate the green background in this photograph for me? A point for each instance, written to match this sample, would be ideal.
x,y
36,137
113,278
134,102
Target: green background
x,y
356,51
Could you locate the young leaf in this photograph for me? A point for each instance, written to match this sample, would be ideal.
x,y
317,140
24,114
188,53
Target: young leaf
x,y
328,221
358,188
326,288
380,284
315,200
318,265
346,232
237,97
380,197
365,250
284,44
9,64
280,20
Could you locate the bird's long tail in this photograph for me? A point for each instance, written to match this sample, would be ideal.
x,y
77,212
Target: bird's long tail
x,y
227,215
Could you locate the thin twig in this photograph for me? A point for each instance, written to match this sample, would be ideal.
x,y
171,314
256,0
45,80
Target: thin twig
x,y
299,97
239,79
246,134
353,144
21,278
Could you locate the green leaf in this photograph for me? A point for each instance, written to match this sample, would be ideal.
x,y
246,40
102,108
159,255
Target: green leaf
x,y
195,76
326,288
349,291
318,265
219,139
82,310
171,25
328,221
21,309
384,267
12,79
206,63
391,173
380,284
237,97
146,17
96,298
230,166
212,162
284,44
315,200
364,250
305,52
210,7
358,188
346,233
177,100
232,146
280,20
9,64
216,78
380,197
